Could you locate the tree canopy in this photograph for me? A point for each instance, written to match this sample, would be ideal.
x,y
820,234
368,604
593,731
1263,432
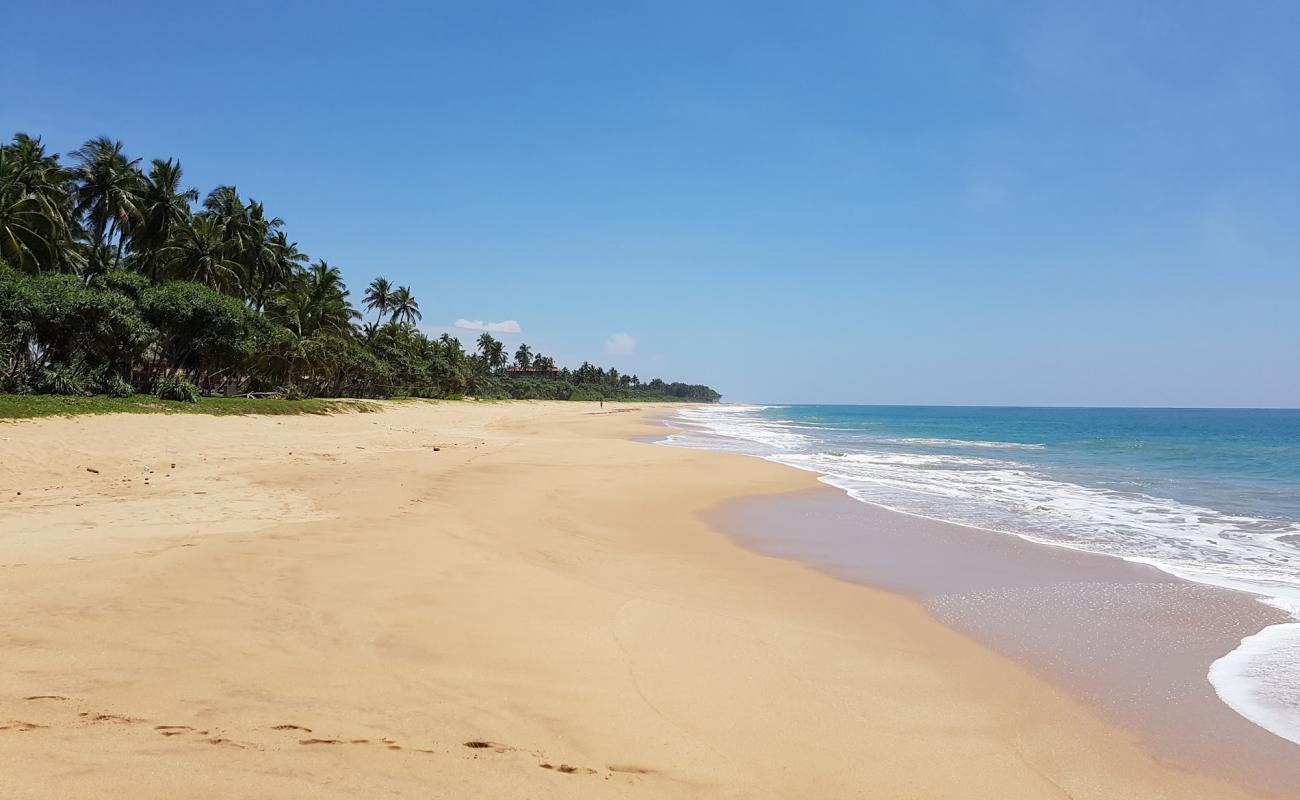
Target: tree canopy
x,y
115,278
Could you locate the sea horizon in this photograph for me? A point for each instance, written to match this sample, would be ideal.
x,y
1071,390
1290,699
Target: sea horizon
x,y
1013,405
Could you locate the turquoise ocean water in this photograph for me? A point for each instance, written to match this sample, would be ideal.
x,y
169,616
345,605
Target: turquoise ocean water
x,y
1210,495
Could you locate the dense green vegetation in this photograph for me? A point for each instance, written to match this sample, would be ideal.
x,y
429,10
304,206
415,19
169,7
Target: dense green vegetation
x,y
116,280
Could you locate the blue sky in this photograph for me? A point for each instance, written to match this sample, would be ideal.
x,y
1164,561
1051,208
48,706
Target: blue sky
x,y
1007,203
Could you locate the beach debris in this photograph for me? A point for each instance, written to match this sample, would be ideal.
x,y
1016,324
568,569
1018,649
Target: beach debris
x,y
92,469
147,469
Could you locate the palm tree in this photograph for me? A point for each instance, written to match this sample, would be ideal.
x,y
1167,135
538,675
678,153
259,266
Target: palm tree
x,y
315,302
451,347
24,224
164,208
523,356
405,309
23,242
225,205
278,261
259,254
107,192
36,227
492,350
266,258
379,297
199,252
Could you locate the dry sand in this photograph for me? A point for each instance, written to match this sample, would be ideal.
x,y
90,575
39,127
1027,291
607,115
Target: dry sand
x,y
331,607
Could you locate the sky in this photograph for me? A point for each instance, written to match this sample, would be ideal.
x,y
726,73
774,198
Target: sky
x,y
1035,203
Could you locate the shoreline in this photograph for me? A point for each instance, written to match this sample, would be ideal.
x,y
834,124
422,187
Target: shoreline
x,y
1137,641
1254,673
1127,639
482,601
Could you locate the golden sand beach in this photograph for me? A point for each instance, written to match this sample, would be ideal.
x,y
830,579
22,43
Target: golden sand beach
x,y
465,600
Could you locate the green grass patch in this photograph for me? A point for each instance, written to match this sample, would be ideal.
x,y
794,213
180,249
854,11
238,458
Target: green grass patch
x,y
30,406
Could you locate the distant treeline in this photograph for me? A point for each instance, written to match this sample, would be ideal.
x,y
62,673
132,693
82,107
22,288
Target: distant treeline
x,y
115,279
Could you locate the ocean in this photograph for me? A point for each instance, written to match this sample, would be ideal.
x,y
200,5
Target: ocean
x,y
1209,495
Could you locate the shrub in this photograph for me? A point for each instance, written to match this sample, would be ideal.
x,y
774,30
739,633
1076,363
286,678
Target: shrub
x,y
178,389
115,386
197,327
292,392
62,380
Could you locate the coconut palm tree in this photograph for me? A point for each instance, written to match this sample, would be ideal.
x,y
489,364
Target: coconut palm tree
x,y
225,206
315,302
252,240
25,238
492,351
523,356
199,252
37,230
259,254
405,308
164,207
278,260
106,194
379,298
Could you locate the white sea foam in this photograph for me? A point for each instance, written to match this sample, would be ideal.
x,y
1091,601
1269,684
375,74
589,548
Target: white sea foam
x,y
974,443
735,428
1260,679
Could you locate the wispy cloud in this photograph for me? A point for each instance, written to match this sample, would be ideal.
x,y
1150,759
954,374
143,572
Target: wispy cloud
x,y
620,344
504,326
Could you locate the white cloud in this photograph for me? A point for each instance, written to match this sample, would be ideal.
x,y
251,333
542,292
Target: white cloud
x,y
505,326
620,344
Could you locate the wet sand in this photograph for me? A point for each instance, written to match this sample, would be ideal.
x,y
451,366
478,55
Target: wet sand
x,y
1126,638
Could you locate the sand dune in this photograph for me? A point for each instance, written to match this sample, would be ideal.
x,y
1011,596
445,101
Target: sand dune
x,y
464,600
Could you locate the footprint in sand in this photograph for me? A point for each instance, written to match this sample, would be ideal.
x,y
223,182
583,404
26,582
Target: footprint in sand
x,y
175,730
114,718
386,742
19,725
568,770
